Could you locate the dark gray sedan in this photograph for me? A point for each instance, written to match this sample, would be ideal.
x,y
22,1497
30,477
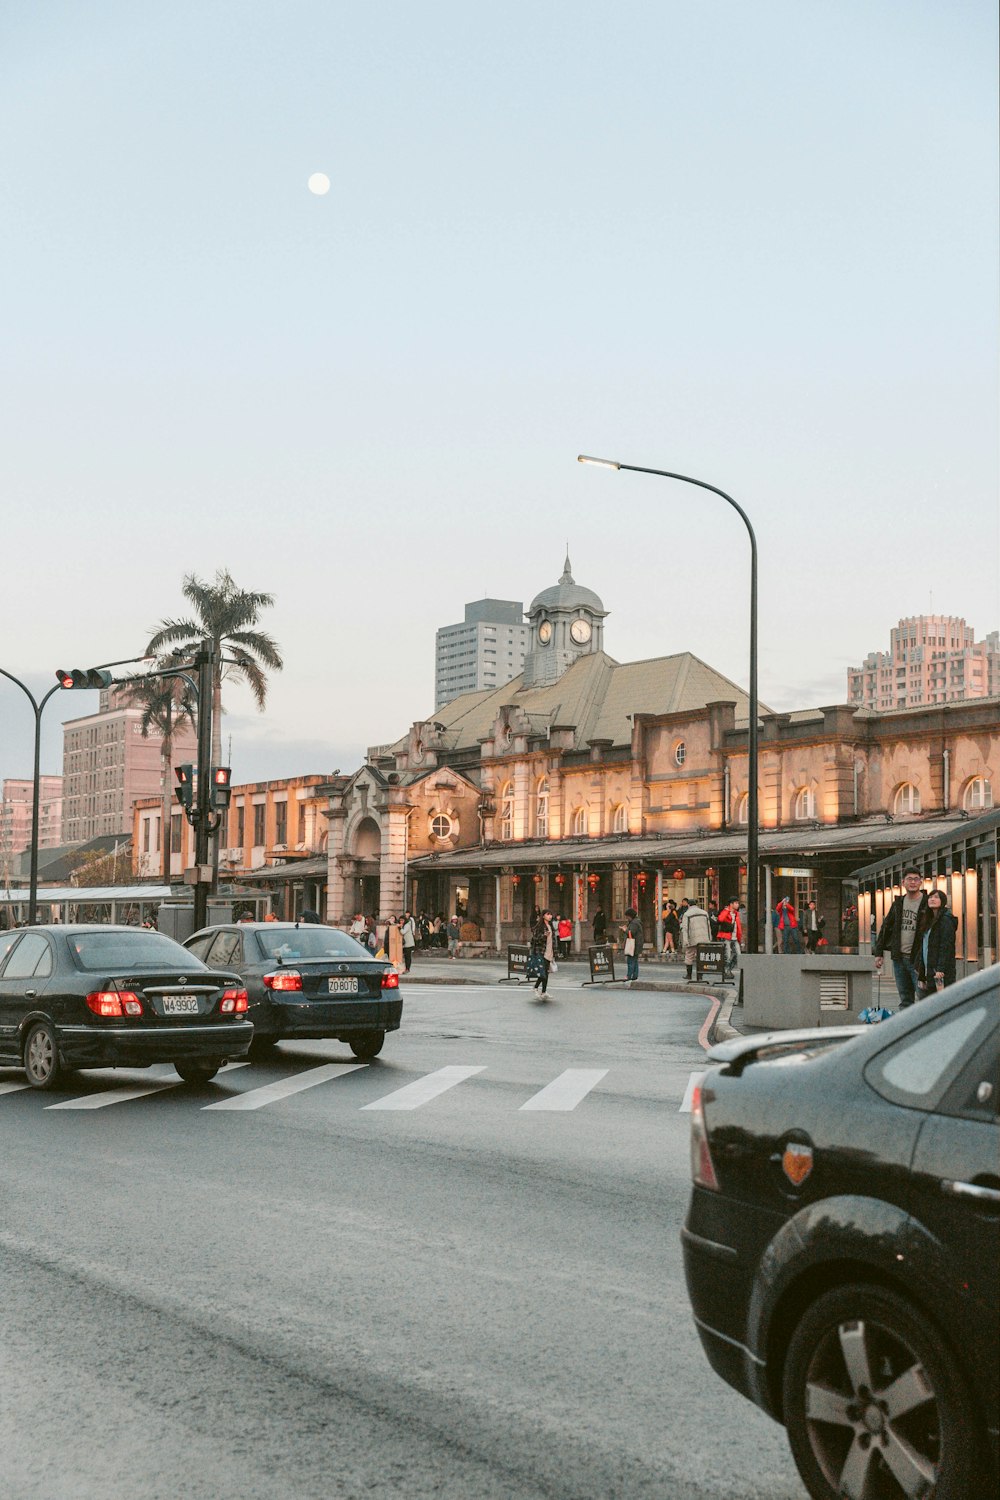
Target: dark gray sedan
x,y
104,997
306,980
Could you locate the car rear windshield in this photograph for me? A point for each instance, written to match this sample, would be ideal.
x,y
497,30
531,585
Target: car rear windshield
x,y
111,951
289,946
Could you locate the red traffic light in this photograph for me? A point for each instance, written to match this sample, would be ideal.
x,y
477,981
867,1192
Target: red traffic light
x,y
221,788
89,677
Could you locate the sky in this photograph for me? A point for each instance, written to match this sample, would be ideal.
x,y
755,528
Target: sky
x,y
754,244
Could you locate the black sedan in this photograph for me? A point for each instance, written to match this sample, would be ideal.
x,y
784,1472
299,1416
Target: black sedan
x,y
104,997
842,1245
307,980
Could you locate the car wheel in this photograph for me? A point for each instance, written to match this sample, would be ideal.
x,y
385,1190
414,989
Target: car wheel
x,y
874,1407
368,1046
262,1046
41,1056
197,1072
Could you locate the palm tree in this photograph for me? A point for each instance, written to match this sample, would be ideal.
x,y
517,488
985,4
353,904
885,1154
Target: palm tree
x,y
167,705
225,615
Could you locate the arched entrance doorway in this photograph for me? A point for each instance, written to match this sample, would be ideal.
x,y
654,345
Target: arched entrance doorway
x,y
366,851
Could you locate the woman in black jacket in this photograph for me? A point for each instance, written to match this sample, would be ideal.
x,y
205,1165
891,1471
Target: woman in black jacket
x,y
936,960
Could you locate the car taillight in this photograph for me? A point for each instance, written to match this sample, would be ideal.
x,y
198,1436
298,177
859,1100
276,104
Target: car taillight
x,y
114,1003
283,979
702,1168
233,1002
390,980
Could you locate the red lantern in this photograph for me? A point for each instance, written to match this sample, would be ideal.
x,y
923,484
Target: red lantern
x,y
593,880
516,879
560,879
678,874
537,879
710,872
642,877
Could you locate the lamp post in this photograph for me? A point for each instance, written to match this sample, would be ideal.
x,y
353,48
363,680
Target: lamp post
x,y
36,787
751,935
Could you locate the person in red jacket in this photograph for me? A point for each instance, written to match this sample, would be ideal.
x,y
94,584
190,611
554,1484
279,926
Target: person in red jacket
x,y
565,936
731,932
788,927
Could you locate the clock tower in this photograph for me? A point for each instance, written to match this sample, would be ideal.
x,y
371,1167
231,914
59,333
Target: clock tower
x,y
567,621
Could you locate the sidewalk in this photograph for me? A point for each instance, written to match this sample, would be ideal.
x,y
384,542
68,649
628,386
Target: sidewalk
x,y
664,978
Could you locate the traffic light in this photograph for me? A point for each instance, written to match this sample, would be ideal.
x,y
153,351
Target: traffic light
x,y
221,786
185,785
90,677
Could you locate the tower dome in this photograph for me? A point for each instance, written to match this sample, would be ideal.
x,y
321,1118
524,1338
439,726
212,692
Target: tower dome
x,y
567,622
567,594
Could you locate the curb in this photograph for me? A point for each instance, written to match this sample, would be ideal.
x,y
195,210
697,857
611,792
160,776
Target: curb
x,y
721,1029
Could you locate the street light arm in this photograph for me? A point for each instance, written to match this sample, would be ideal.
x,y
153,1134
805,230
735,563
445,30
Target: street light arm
x,y
702,485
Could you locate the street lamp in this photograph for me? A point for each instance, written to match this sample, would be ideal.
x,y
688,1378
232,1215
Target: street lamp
x,y
751,935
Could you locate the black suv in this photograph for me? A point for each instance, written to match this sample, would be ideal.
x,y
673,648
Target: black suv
x,y
842,1245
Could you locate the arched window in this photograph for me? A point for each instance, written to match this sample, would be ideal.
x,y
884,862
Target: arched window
x,y
680,753
542,809
507,810
743,808
978,795
619,819
805,804
907,799
580,822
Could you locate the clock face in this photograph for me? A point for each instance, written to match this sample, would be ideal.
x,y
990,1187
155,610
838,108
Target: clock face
x,y
580,631
545,632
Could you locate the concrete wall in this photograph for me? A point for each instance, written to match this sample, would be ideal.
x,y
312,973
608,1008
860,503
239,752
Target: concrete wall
x,y
782,991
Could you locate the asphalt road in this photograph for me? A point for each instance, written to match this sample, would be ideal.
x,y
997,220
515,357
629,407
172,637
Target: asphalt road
x,y
349,1290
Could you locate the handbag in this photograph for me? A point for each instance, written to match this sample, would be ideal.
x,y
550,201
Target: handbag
x,y
630,946
553,966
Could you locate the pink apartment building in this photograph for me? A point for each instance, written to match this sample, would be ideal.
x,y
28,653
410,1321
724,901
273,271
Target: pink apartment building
x,y
931,659
15,817
108,764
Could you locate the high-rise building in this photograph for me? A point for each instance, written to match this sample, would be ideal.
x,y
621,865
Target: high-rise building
x,y
15,817
484,651
108,763
931,659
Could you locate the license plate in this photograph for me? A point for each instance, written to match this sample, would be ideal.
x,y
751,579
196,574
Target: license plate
x,y
343,986
180,1005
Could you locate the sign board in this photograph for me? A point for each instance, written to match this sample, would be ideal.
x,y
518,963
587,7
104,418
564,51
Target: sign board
x,y
711,961
793,874
602,964
517,960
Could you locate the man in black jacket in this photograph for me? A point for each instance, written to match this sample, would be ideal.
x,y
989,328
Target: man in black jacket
x,y
902,933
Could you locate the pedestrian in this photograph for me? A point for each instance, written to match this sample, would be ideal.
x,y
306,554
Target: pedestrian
x,y
543,946
902,933
371,928
358,929
409,935
788,926
695,929
310,917
393,943
453,936
713,919
730,932
936,960
634,940
424,930
565,931
812,926
600,926
671,927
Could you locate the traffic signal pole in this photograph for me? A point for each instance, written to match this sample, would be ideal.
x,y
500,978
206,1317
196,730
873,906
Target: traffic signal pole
x,y
203,821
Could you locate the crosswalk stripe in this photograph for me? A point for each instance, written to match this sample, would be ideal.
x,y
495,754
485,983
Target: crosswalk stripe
x,y
269,1093
113,1096
693,1082
412,1095
13,1088
566,1091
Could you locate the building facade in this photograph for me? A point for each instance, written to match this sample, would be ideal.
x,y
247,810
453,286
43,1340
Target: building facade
x,y
15,818
109,764
589,784
484,651
931,659
272,841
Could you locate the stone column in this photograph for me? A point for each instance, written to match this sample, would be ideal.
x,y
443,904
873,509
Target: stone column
x,y
392,865
336,884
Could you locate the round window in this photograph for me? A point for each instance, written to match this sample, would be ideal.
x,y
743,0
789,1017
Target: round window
x,y
441,826
680,752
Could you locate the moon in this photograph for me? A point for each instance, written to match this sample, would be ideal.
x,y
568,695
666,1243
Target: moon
x,y
319,184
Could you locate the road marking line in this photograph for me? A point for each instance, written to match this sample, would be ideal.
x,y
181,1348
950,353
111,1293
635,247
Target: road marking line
x,y
412,1095
566,1091
13,1088
113,1096
693,1083
270,1092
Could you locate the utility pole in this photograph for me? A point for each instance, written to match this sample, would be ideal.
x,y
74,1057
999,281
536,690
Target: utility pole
x,y
203,820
